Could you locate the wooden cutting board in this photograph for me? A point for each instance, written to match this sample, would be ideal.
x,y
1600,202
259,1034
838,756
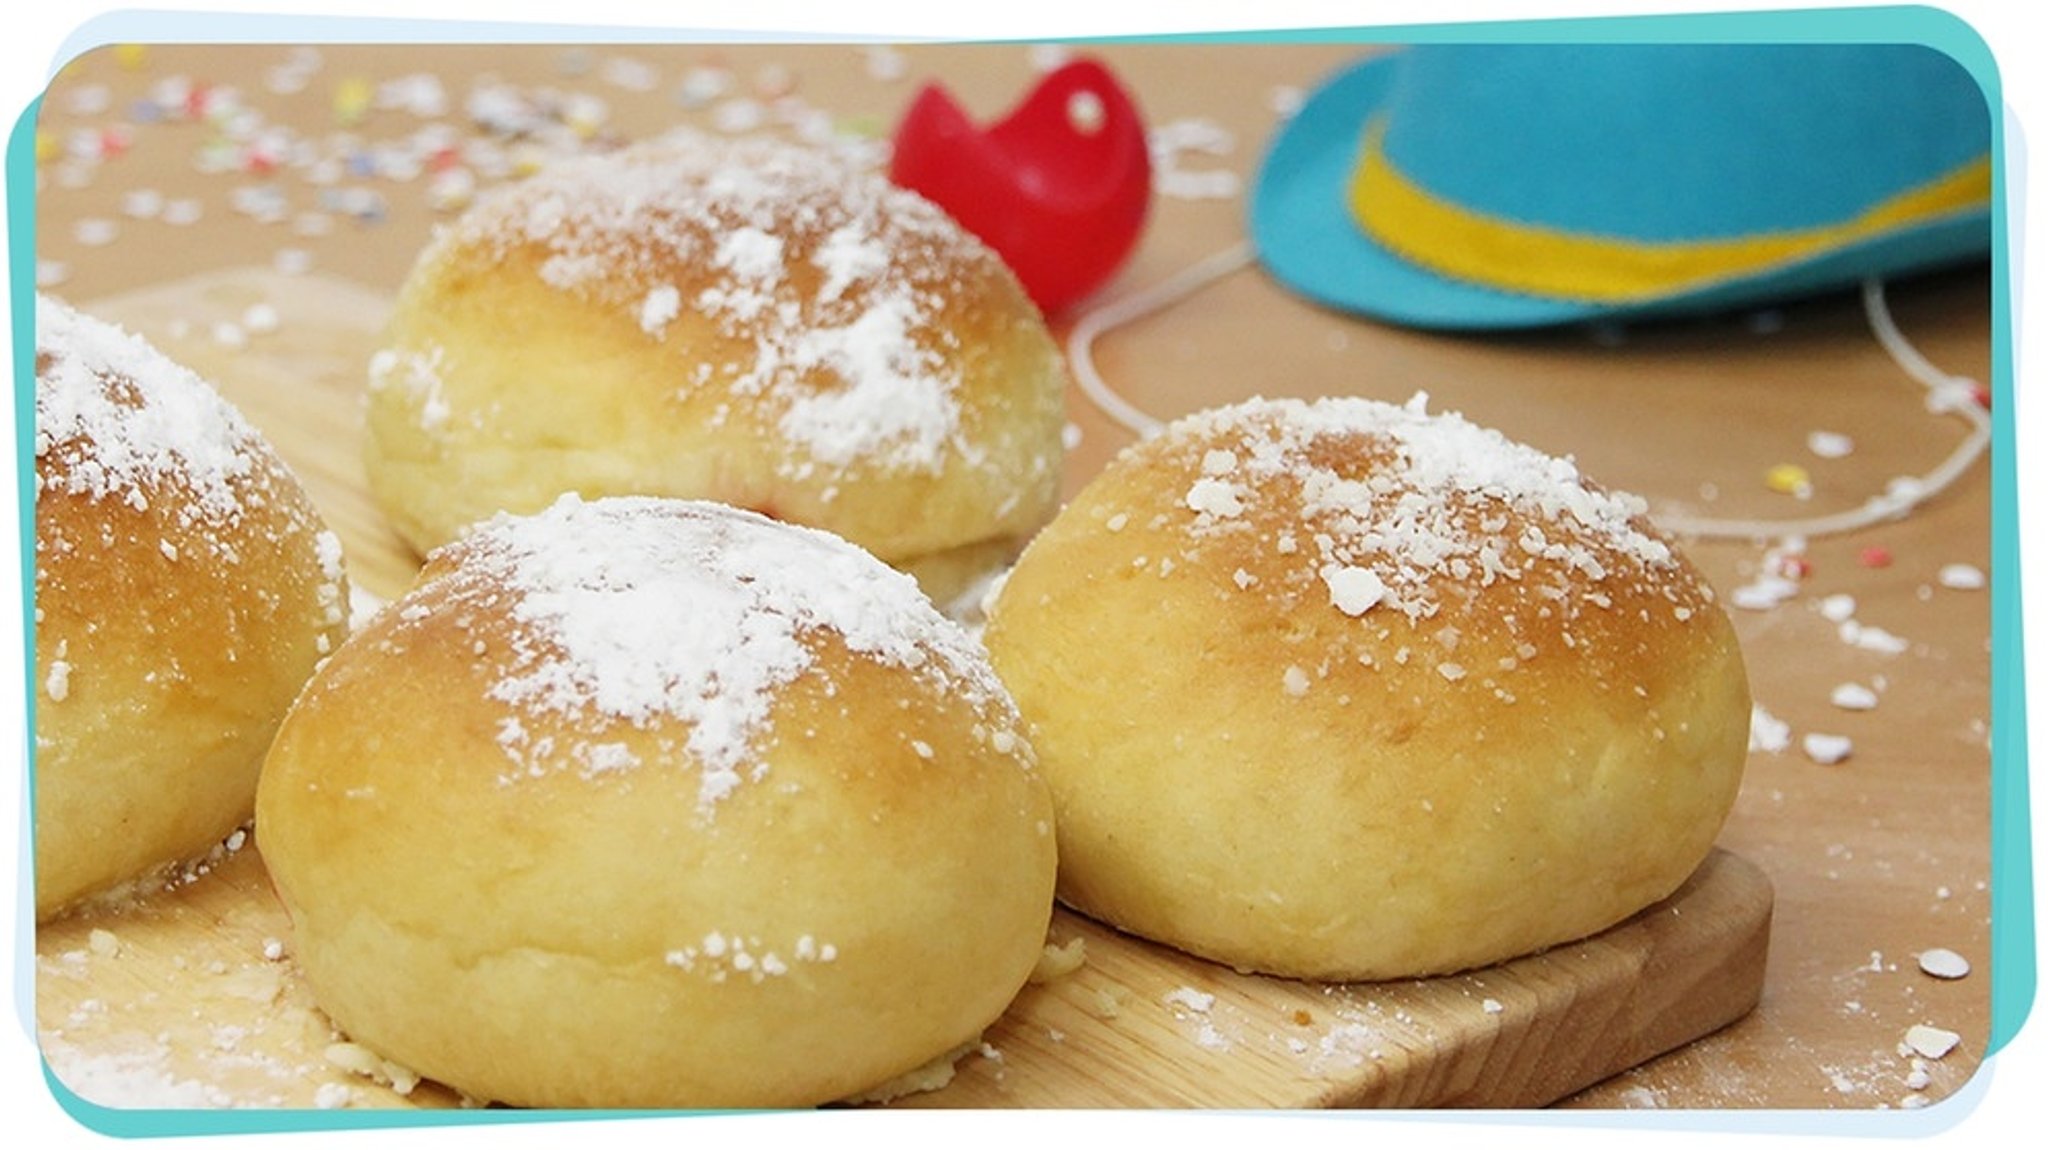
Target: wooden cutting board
x,y
191,998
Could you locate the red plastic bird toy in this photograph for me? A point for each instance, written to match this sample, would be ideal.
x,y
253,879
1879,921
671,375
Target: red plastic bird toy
x,y
1059,188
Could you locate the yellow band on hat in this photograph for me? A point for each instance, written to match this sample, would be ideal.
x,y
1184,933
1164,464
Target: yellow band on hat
x,y
1464,244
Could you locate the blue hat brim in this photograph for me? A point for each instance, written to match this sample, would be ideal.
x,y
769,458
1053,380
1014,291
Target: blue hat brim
x,y
1305,235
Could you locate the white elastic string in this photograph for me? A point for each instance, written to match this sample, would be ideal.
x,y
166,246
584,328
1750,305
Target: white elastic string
x,y
1946,395
1145,301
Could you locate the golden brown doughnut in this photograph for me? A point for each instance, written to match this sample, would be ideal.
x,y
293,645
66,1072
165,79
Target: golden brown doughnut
x,y
184,589
1349,690
655,803
759,323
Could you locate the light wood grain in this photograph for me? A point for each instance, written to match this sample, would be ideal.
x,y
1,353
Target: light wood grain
x,y
192,994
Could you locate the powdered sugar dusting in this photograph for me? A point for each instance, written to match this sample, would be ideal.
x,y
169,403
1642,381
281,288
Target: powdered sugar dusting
x,y
1433,514
661,305
891,408
121,419
826,278
642,610
847,257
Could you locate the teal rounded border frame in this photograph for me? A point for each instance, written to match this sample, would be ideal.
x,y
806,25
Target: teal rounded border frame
x,y
2013,957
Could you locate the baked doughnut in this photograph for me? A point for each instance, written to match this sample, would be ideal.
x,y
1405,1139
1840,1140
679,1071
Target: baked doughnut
x,y
658,803
758,323
184,589
1348,690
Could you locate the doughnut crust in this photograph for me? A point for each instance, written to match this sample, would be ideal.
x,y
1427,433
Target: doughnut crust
x,y
184,589
1345,690
654,803
747,321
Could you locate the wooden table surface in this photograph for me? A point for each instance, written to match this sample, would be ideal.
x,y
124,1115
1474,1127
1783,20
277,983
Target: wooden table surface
x,y
164,162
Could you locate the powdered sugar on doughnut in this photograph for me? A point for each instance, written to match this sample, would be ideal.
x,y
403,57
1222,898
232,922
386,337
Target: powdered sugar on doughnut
x,y
890,407
828,275
1433,512
642,611
121,420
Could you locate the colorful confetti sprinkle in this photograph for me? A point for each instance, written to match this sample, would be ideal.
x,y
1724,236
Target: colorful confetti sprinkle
x,y
1789,479
352,98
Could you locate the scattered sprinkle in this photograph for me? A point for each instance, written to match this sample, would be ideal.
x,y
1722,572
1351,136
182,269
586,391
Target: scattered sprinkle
x,y
1826,750
884,63
1048,57
1829,444
1789,479
1871,638
260,319
95,232
1767,732
1940,962
1931,1041
1853,697
1961,577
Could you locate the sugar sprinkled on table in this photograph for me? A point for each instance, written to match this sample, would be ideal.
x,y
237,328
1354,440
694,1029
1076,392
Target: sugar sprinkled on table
x,y
1941,962
1829,444
1767,732
1930,1041
1961,577
1826,749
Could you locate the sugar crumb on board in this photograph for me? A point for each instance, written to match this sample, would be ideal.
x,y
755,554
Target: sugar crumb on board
x,y
1193,1009
1346,1032
1058,960
932,1076
364,1062
226,1023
